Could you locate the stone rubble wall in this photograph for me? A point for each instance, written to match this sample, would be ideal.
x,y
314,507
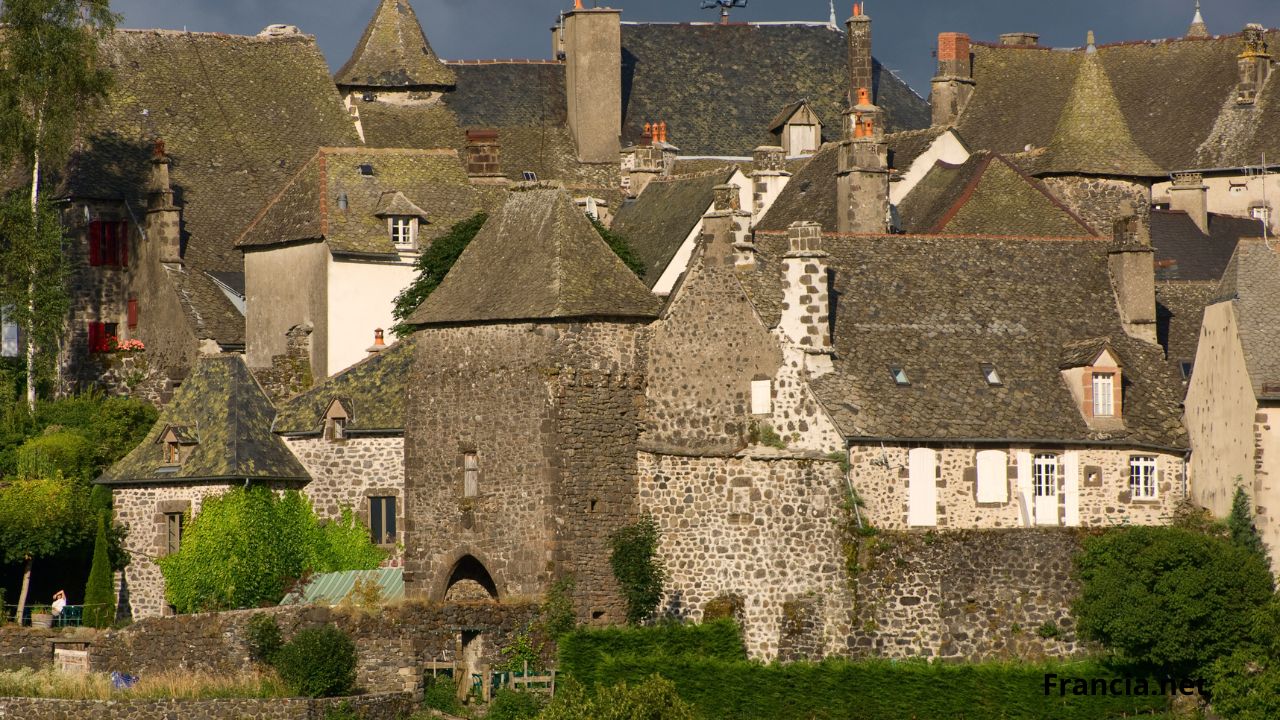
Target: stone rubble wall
x,y
386,706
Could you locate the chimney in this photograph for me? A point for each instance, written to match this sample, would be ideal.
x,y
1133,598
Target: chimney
x,y
1132,266
164,219
1020,39
860,63
768,178
862,181
379,342
1190,195
954,83
725,229
806,295
593,81
484,156
1255,64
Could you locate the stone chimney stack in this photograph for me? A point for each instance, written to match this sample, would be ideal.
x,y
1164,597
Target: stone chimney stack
x,y
484,156
1190,195
725,229
164,219
768,177
1132,265
1020,39
647,162
860,63
806,298
862,181
593,81
954,84
1255,64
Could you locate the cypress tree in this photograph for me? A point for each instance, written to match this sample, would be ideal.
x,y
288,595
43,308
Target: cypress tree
x,y
99,593
1240,522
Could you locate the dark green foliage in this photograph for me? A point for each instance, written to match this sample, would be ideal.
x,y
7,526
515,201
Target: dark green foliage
x,y
62,451
112,425
318,662
1167,598
100,499
263,638
1246,685
33,273
636,567
432,266
620,247
515,705
558,617
1243,532
42,517
654,698
440,694
99,592
245,546
582,651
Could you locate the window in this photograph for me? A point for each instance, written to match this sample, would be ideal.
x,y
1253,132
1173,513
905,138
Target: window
x,y
382,520
470,475
173,523
1045,475
1142,477
402,233
899,376
1261,213
336,428
172,453
103,337
1186,366
993,476
991,374
108,243
761,397
1104,394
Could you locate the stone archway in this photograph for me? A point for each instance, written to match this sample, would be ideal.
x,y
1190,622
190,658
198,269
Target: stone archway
x,y
470,581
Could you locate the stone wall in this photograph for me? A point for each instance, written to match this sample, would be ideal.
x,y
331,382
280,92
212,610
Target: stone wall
x,y
881,476
971,595
387,706
27,647
550,412
1100,201
767,529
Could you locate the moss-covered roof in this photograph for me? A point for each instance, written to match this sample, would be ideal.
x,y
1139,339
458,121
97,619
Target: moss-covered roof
x,y
658,222
223,409
537,258
375,389
433,182
394,53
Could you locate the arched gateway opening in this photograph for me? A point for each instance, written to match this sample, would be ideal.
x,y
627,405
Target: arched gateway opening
x,y
469,581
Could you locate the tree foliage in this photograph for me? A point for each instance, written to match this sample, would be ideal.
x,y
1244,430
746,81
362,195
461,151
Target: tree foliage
x,y
99,592
1246,685
41,517
318,662
1240,522
620,247
636,567
432,266
653,699
1168,598
62,451
245,547
33,281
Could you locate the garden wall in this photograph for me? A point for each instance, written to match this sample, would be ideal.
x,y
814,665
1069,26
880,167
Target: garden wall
x,y
385,706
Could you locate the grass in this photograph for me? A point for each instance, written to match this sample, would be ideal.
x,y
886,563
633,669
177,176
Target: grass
x,y
169,685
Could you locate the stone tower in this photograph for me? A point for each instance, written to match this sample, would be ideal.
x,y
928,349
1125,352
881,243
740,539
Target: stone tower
x,y
523,413
862,181
593,81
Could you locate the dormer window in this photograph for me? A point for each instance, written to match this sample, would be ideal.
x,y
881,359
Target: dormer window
x,y
991,375
1104,384
336,419
1094,374
172,454
403,217
899,376
176,442
404,232
798,129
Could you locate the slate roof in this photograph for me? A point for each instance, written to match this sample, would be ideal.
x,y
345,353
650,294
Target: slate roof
x,y
409,126
986,195
431,181
1179,315
1177,98
718,86
809,196
538,258
941,306
1252,282
225,410
658,222
394,53
376,388
1185,253
239,116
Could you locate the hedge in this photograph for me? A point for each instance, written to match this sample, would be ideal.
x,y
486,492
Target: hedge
x,y
874,689
582,651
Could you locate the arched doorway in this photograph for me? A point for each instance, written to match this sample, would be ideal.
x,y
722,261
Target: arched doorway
x,y
470,581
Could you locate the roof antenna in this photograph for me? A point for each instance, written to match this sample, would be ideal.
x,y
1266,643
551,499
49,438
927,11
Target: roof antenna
x,y
832,3
724,6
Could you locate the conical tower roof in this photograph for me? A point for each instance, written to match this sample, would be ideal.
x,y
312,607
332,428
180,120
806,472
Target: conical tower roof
x,y
394,53
1093,137
1198,29
538,258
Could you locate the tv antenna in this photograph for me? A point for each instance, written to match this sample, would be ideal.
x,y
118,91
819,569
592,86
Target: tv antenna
x,y
724,6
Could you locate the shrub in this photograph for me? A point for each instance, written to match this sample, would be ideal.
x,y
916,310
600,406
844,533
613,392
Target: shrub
x,y
1240,522
515,705
61,451
1246,686
263,638
558,617
99,592
440,694
1168,598
652,699
318,662
636,567
582,651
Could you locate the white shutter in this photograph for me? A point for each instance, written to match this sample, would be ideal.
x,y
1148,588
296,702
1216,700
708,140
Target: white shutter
x,y
993,476
1071,487
922,488
1024,486
761,397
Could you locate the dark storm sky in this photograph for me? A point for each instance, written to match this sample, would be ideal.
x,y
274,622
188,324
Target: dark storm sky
x,y
904,29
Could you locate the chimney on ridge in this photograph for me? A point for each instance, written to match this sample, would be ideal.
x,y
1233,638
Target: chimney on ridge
x,y
860,63
725,231
1255,64
862,180
806,294
1020,39
954,83
484,156
593,81
1132,264
1190,195
768,178
164,219
379,342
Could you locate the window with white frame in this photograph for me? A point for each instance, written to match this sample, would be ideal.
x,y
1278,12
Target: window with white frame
x,y
1104,394
402,233
1045,475
470,475
1142,477
761,397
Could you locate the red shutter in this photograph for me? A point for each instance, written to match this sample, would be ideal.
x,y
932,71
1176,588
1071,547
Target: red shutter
x,y
96,336
133,313
124,243
95,243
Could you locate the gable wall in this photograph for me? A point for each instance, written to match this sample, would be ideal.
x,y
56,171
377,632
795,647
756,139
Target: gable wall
x,y
361,299
287,286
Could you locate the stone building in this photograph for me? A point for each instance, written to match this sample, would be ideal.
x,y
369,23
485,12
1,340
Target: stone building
x,y
214,435
1232,402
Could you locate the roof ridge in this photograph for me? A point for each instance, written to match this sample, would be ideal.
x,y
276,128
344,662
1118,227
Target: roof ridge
x,y
965,195
362,150
1035,183
278,197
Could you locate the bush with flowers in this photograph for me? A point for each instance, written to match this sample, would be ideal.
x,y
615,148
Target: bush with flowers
x,y
112,343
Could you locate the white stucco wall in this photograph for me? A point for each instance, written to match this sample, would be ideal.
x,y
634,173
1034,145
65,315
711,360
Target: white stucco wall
x,y
946,148
361,298
1266,483
1233,194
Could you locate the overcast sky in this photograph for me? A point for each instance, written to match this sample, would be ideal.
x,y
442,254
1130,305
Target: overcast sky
x,y
904,30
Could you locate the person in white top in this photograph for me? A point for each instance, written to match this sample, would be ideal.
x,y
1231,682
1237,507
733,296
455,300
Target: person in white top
x,y
59,602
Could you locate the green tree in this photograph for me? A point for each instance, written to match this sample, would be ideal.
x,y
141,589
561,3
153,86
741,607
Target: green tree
x,y
50,72
40,518
636,567
1246,685
1243,532
620,247
1168,598
245,547
318,662
64,451
99,592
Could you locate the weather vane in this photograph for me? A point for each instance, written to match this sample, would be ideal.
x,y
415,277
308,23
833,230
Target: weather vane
x,y
724,6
